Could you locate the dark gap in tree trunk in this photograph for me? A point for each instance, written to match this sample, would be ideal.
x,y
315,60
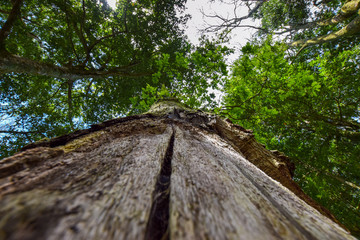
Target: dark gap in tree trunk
x,y
283,211
157,226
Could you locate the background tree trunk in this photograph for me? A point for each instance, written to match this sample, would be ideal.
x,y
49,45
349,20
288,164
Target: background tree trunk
x,y
172,173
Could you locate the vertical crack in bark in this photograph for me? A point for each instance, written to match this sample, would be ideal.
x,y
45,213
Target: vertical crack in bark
x,y
157,226
284,212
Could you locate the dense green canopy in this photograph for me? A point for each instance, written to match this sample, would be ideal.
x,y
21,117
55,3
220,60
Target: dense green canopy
x,y
66,64
300,93
309,110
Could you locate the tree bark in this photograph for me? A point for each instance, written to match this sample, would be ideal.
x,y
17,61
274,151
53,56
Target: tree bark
x,y
172,173
12,63
351,29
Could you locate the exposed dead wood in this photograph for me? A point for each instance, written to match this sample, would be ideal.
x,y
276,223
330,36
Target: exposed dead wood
x,y
217,194
102,189
173,173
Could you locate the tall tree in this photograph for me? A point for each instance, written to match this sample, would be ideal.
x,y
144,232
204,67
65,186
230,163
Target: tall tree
x,y
68,64
173,173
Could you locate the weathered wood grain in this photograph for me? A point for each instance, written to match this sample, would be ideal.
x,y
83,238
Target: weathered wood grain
x,y
218,194
273,163
173,173
102,191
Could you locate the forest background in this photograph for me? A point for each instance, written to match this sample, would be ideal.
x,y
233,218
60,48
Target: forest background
x,y
67,64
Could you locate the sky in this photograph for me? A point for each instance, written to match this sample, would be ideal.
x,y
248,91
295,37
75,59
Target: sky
x,y
198,21
238,37
112,3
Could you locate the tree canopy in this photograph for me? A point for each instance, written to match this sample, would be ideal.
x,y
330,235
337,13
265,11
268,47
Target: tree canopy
x,y
309,110
303,22
65,65
68,64
296,84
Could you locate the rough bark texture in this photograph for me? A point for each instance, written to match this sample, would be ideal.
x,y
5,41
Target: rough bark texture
x,y
348,10
172,173
353,28
12,63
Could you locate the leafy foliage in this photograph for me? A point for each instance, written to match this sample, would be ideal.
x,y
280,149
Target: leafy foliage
x,y
276,13
302,23
193,74
308,109
303,101
68,64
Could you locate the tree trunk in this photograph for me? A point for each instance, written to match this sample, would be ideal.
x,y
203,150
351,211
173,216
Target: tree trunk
x,y
172,173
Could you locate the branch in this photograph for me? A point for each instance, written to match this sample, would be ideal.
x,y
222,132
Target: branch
x,y
257,28
313,115
329,174
97,41
88,88
351,29
53,95
321,2
6,29
248,99
354,136
69,99
70,21
233,22
16,132
15,64
348,9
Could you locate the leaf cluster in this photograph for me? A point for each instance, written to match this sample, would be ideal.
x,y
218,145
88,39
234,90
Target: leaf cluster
x,y
68,64
308,109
